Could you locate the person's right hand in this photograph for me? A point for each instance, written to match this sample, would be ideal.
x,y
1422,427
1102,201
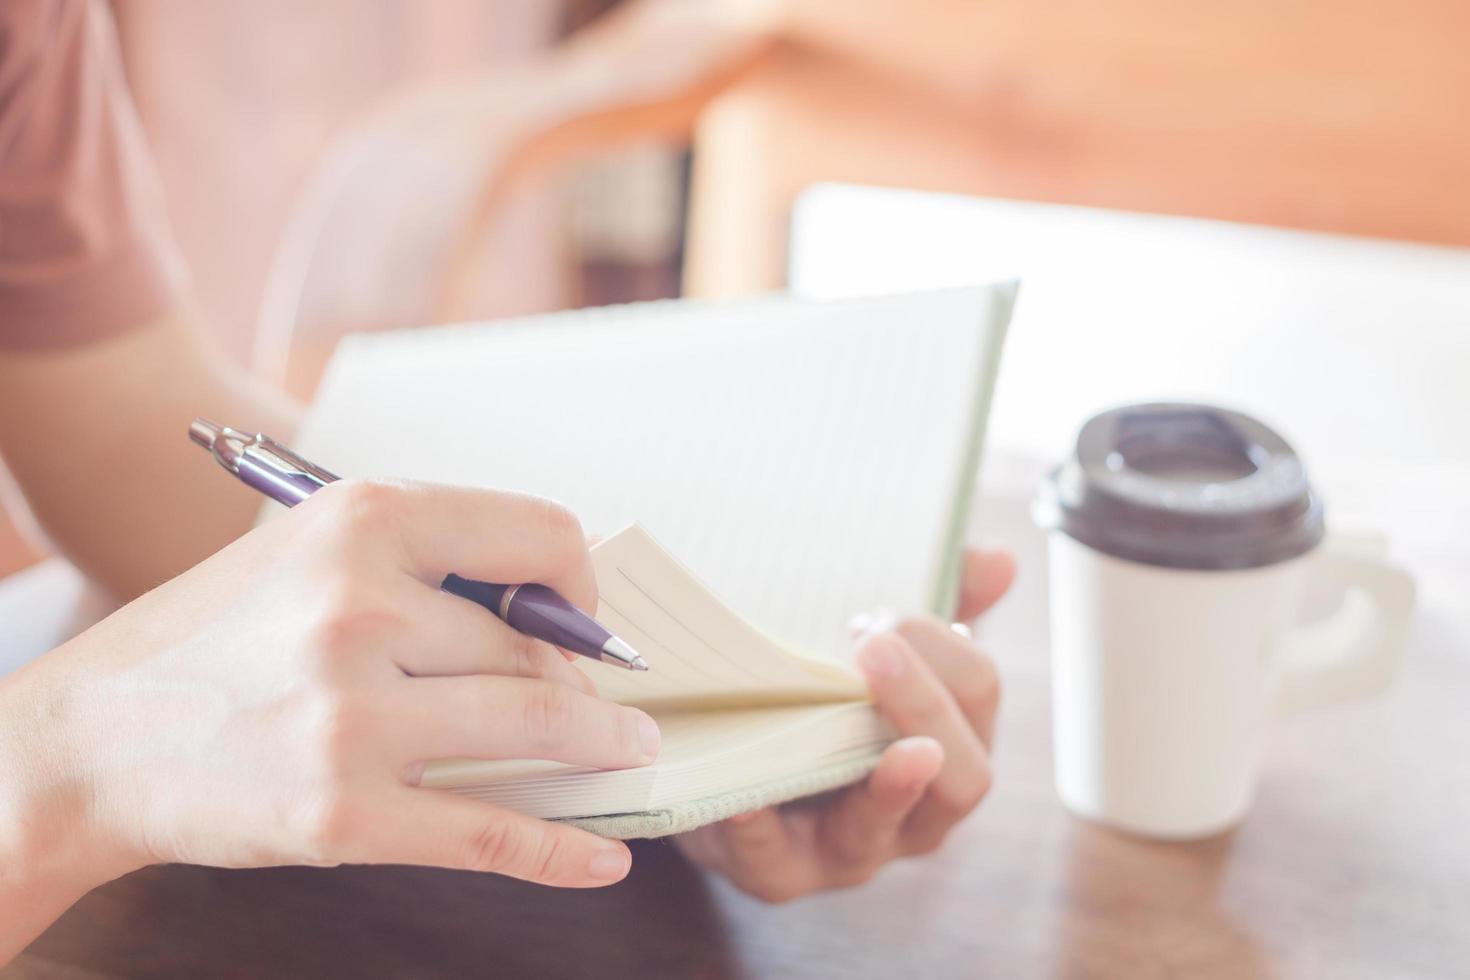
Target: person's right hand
x,y
275,704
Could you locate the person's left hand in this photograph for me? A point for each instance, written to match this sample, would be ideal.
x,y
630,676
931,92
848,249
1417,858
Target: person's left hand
x,y
940,691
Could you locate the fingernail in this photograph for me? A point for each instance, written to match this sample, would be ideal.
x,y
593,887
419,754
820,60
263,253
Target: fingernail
x,y
880,659
918,745
650,736
868,623
609,864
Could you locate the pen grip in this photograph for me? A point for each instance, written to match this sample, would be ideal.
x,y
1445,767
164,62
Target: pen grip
x,y
535,610
541,612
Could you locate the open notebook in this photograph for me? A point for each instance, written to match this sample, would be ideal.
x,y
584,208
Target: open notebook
x,y
806,460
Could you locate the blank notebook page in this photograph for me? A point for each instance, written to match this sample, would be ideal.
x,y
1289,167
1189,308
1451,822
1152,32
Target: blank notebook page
x,y
802,457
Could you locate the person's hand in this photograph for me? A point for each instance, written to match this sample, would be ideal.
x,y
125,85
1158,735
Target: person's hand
x,y
275,704
940,692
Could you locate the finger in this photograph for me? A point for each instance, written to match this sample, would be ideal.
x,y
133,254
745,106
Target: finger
x,y
967,673
987,575
439,829
453,636
859,828
907,692
930,822
486,535
482,717
760,857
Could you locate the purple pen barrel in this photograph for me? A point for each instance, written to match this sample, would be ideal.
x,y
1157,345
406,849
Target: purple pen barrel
x,y
536,610
284,488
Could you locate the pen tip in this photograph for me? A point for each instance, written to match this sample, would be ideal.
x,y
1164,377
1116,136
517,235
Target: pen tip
x,y
615,651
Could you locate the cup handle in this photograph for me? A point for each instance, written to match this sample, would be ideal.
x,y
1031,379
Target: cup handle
x,y
1354,652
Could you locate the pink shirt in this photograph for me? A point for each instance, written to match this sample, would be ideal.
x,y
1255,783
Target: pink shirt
x,y
85,247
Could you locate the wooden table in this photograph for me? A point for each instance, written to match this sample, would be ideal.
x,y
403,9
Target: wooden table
x,y
1354,863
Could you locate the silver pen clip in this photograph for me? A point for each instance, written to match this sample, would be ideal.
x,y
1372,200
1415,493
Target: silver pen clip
x,y
229,446
224,443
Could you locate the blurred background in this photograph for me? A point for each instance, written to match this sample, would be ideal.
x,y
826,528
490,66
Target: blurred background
x,y
341,165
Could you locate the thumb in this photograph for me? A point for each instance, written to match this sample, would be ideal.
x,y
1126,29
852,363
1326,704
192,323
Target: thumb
x,y
986,577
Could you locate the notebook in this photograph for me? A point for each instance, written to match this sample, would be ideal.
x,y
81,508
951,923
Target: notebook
x,y
761,470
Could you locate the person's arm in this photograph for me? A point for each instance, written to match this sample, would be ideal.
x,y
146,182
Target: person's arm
x,y
100,369
49,856
276,705
96,436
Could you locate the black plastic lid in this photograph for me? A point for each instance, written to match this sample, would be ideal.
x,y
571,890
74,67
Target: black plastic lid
x,y
1184,486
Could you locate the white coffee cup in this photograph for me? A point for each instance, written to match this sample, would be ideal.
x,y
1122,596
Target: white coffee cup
x,y
1183,538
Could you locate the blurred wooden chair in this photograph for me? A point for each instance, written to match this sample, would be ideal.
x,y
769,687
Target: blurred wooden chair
x,y
1328,114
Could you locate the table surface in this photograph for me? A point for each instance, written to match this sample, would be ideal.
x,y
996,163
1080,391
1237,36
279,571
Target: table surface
x,y
1354,862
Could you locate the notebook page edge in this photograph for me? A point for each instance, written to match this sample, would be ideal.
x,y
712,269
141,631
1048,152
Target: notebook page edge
x,y
725,756
944,594
821,680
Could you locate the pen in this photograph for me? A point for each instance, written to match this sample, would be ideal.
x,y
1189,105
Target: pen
x,y
262,463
